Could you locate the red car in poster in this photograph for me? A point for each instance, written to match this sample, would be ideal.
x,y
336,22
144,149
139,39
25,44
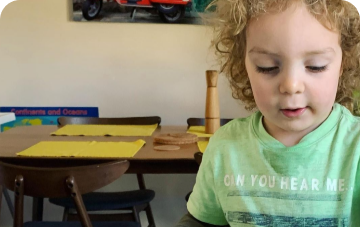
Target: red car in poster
x,y
170,11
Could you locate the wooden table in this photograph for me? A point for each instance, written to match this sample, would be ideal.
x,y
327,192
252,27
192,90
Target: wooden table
x,y
146,160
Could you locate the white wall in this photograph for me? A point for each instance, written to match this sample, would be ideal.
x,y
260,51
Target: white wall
x,y
124,69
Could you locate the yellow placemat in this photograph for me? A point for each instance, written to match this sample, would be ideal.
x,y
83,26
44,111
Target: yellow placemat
x,y
84,149
202,145
199,131
105,130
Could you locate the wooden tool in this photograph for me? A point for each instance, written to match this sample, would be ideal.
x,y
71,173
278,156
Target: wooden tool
x,y
212,111
176,138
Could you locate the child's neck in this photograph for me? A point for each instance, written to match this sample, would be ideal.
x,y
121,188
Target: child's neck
x,y
288,138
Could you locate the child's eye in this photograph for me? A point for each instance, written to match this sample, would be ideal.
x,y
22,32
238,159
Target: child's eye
x,y
317,69
266,70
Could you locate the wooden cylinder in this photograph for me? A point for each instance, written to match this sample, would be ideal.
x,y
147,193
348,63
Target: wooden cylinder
x,y
211,125
212,109
211,78
212,103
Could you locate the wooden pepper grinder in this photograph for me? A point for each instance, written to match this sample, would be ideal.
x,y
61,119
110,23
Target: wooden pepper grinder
x,y
212,111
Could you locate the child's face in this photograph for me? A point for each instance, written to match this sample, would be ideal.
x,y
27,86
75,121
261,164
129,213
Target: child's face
x,y
302,60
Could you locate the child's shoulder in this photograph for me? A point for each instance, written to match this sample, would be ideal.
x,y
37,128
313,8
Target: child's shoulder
x,y
348,127
234,128
347,118
234,131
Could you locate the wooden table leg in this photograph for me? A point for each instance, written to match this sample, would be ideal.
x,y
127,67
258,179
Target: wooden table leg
x,y
38,206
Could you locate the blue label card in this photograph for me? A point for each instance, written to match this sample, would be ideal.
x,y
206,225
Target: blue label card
x,y
45,115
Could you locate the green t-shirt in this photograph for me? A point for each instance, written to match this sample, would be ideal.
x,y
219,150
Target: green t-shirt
x,y
248,178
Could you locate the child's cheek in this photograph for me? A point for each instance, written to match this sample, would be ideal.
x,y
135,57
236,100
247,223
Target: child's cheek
x,y
263,96
323,95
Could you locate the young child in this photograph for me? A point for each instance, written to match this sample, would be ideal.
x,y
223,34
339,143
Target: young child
x,y
295,162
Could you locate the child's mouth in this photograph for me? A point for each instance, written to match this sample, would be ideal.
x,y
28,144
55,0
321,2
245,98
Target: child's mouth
x,y
293,112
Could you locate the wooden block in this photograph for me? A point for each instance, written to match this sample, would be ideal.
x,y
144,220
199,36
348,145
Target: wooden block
x,y
212,103
176,138
211,125
167,148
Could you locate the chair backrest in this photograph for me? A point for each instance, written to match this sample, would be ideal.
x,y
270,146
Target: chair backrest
x,y
50,182
201,121
198,157
57,182
151,120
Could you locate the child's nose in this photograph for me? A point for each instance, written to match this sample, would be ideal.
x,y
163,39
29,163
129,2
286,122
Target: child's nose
x,y
291,85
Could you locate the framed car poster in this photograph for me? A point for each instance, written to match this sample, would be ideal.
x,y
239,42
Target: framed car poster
x,y
140,11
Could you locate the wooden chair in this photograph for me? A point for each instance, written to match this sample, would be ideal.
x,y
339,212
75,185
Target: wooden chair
x,y
131,201
201,121
35,181
198,159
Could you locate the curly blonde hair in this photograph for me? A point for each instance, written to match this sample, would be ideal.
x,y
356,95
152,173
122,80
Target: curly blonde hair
x,y
229,19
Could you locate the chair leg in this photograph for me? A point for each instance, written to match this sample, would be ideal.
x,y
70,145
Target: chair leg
x,y
65,214
8,201
148,211
1,189
150,216
19,201
136,214
141,181
38,207
77,199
